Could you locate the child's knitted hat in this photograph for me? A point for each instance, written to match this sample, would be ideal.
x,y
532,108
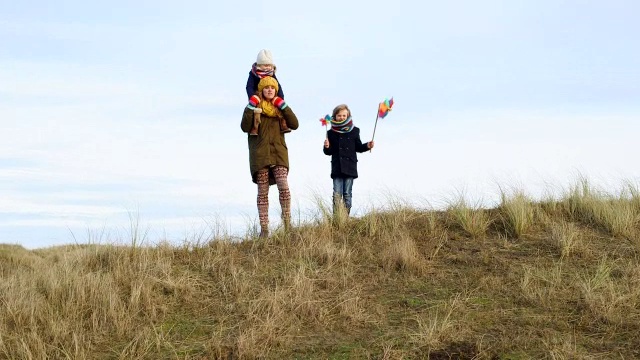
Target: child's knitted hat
x,y
264,57
267,81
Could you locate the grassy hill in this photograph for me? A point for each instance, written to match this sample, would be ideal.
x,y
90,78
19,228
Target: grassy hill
x,y
551,279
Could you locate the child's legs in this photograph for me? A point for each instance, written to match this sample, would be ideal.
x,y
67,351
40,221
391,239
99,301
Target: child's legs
x,y
280,173
338,190
347,192
338,186
262,179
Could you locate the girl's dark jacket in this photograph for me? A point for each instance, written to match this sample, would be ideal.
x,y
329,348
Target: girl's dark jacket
x,y
252,85
343,148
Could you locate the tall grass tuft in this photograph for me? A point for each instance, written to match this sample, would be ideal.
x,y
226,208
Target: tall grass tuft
x,y
604,297
566,238
616,214
541,283
517,212
440,325
473,220
402,254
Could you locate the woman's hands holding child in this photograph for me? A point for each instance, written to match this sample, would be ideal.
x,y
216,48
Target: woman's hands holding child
x,y
254,101
279,103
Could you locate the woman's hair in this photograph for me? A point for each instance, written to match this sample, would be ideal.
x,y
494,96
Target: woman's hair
x,y
339,108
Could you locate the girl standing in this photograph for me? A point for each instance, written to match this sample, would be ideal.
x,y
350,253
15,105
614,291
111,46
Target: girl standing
x,y
342,144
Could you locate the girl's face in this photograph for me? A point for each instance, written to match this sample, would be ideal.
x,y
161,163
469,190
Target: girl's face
x,y
342,115
265,67
269,92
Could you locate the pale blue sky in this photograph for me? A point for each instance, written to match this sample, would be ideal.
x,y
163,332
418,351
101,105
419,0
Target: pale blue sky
x,y
134,106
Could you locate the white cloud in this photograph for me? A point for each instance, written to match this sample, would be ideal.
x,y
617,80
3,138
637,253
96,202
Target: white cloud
x,y
20,205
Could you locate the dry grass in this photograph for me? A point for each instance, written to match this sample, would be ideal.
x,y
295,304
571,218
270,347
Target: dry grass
x,y
556,280
566,237
473,220
542,284
439,325
518,213
619,214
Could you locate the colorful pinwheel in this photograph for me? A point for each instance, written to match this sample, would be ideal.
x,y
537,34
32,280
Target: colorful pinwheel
x,y
383,110
325,121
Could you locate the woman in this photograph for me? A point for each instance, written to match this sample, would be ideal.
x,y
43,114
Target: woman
x,y
268,153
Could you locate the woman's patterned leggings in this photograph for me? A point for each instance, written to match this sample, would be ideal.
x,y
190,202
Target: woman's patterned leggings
x,y
280,173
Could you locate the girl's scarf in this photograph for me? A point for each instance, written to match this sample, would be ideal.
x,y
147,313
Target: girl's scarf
x,y
342,126
261,73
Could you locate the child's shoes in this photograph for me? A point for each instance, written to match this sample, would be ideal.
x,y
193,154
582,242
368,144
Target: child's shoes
x,y
283,126
256,122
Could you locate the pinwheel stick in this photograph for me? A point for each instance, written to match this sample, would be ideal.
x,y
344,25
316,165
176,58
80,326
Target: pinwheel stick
x,y
374,127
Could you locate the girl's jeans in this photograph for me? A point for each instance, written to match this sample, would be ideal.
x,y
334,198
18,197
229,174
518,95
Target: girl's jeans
x,y
342,188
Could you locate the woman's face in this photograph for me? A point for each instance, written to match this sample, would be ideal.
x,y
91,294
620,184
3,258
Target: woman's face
x,y
269,92
342,115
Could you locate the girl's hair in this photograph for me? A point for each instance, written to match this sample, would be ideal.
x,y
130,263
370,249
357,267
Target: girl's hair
x,y
339,108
